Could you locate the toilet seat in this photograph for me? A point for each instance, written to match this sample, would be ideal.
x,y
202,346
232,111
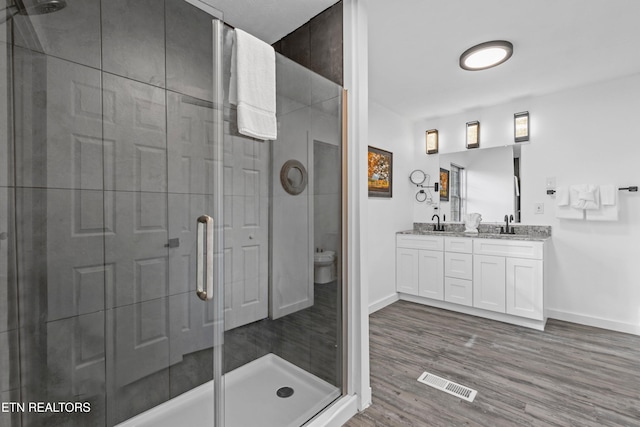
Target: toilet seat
x,y
326,256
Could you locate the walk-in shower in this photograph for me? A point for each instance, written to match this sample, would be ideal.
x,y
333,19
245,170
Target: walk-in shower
x,y
116,136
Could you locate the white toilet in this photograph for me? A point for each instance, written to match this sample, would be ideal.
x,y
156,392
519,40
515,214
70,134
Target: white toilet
x,y
324,267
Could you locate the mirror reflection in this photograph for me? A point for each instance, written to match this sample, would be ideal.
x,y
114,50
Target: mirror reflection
x,y
485,181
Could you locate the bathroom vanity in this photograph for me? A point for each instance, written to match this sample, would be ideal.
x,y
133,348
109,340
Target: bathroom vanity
x,y
500,277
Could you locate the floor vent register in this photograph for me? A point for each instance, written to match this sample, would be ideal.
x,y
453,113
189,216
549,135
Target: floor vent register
x,y
448,386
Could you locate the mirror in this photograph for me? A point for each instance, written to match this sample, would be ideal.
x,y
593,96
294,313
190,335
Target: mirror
x,y
293,177
417,177
482,181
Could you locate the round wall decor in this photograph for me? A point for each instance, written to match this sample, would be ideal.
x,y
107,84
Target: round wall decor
x,y
293,177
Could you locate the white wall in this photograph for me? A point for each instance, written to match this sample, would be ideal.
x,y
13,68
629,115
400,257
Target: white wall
x,y
291,285
356,82
387,216
589,135
582,135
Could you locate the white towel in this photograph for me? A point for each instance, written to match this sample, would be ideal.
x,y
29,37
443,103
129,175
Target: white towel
x,y
563,205
585,196
609,206
562,196
608,194
567,212
253,86
605,213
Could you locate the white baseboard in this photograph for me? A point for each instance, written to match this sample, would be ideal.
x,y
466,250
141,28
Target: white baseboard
x,y
596,322
383,302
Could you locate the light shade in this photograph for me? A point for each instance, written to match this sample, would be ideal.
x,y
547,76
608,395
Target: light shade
x,y
432,141
486,55
521,126
473,134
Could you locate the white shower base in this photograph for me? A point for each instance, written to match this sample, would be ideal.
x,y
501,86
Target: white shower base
x,y
250,399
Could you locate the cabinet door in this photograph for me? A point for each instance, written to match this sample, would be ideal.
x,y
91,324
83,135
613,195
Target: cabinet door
x,y
524,288
431,274
407,271
489,282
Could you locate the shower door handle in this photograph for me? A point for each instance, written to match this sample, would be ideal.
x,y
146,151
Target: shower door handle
x,y
204,259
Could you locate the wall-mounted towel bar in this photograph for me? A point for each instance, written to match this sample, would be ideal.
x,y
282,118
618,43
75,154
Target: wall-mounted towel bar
x,y
633,188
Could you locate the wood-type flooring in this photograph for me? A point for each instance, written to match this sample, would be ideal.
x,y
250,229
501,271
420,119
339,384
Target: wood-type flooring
x,y
569,375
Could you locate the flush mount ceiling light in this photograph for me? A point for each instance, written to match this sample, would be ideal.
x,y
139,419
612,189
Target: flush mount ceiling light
x,y
486,55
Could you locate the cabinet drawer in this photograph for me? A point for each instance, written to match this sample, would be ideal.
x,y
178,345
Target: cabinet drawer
x,y
434,243
458,265
458,291
458,244
508,248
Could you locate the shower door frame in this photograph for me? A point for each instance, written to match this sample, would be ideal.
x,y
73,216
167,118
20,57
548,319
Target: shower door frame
x,y
217,215
218,218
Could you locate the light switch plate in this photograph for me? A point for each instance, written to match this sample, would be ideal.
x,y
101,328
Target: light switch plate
x,y
551,183
538,208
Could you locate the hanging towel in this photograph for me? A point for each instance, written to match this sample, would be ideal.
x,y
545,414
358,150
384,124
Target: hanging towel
x,y
608,195
564,201
562,196
563,205
585,196
253,86
609,205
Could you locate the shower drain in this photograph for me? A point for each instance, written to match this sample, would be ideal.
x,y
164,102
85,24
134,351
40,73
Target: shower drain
x,y
284,392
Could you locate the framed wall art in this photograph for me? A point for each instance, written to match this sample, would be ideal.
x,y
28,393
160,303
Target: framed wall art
x,y
444,185
380,171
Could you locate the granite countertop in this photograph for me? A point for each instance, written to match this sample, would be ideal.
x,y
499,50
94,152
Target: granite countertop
x,y
486,231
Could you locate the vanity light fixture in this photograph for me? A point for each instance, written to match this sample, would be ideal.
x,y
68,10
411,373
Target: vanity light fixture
x,y
473,134
521,126
432,141
486,55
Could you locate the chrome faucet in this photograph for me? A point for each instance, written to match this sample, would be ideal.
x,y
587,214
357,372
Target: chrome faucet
x,y
437,227
507,230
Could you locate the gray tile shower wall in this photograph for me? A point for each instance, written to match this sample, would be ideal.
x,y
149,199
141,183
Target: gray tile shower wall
x,y
142,20
307,338
317,44
72,34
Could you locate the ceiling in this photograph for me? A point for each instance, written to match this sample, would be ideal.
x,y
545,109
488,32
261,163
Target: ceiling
x,y
270,20
414,46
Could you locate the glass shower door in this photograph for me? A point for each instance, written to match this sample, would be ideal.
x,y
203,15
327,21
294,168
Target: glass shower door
x,y
282,200
110,113
160,184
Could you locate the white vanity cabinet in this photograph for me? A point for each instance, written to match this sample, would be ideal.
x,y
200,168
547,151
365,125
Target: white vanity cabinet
x,y
508,277
420,266
501,279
